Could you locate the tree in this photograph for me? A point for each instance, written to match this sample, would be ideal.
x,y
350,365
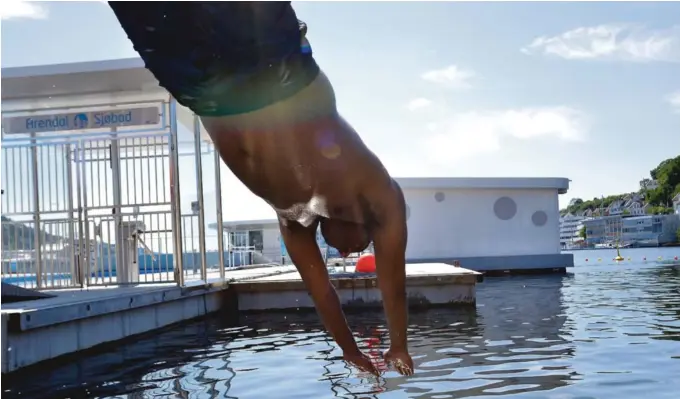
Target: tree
x,y
667,175
577,205
659,210
677,235
583,234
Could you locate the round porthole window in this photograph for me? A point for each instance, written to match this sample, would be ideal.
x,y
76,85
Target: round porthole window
x,y
505,208
439,196
539,218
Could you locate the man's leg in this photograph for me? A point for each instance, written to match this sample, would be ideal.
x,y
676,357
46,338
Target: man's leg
x,y
221,58
304,252
389,240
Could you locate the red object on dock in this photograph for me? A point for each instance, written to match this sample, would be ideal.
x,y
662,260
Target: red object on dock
x,y
365,264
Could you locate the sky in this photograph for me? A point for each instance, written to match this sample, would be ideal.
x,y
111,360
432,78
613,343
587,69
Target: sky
x,y
587,91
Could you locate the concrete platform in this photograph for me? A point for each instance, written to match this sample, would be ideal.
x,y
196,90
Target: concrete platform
x,y
427,284
74,320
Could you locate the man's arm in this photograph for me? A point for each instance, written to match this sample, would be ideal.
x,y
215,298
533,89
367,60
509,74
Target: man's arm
x,y
389,239
304,252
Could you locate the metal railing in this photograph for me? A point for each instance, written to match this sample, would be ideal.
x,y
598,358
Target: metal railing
x,y
102,206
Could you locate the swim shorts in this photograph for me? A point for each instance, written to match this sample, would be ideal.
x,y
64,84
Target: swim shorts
x,y
221,58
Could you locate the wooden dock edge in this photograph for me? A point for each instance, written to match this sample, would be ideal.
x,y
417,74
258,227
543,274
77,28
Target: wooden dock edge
x,y
58,336
525,272
426,291
37,317
359,282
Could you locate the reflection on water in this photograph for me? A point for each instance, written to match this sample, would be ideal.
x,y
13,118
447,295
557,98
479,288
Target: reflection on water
x,y
603,331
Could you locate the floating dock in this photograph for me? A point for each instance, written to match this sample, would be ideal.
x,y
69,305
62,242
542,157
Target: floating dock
x,y
77,319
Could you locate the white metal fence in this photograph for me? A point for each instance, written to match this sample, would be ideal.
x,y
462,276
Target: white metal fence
x,y
102,206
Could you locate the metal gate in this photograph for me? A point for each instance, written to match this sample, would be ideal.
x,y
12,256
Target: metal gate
x,y
94,207
126,209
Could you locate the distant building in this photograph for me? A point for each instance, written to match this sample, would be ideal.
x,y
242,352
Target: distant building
x,y
648,184
648,230
570,228
601,230
676,204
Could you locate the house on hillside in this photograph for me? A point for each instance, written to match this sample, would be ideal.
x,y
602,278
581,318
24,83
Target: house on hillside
x,y
676,204
629,205
632,204
646,209
615,208
648,184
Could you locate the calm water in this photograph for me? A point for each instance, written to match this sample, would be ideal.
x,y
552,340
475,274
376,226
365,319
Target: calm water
x,y
603,331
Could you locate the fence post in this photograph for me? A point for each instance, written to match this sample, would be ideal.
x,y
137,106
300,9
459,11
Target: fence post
x,y
81,254
218,206
68,163
117,179
175,202
37,231
199,193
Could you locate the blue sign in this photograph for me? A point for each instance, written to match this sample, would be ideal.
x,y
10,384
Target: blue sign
x,y
82,120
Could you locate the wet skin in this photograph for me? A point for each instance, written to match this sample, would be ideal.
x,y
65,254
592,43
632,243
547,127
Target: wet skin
x,y
309,164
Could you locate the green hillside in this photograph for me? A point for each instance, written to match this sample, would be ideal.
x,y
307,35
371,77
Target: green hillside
x,y
667,175
16,235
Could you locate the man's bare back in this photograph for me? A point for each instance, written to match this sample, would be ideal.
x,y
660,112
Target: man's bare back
x,y
303,159
298,154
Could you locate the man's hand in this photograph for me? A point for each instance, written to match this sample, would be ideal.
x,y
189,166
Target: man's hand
x,y
362,362
401,360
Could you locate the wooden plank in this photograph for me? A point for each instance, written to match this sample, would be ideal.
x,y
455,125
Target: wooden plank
x,y
359,282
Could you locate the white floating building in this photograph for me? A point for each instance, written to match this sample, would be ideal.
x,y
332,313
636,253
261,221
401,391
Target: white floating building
x,y
488,224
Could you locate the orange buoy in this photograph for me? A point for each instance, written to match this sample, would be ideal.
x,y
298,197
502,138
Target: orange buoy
x,y
366,264
586,259
676,258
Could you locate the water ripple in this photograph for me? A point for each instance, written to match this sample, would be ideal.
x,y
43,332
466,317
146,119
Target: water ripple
x,y
602,331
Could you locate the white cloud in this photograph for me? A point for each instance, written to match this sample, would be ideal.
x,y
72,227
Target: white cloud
x,y
451,76
10,9
468,134
621,42
418,103
674,100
